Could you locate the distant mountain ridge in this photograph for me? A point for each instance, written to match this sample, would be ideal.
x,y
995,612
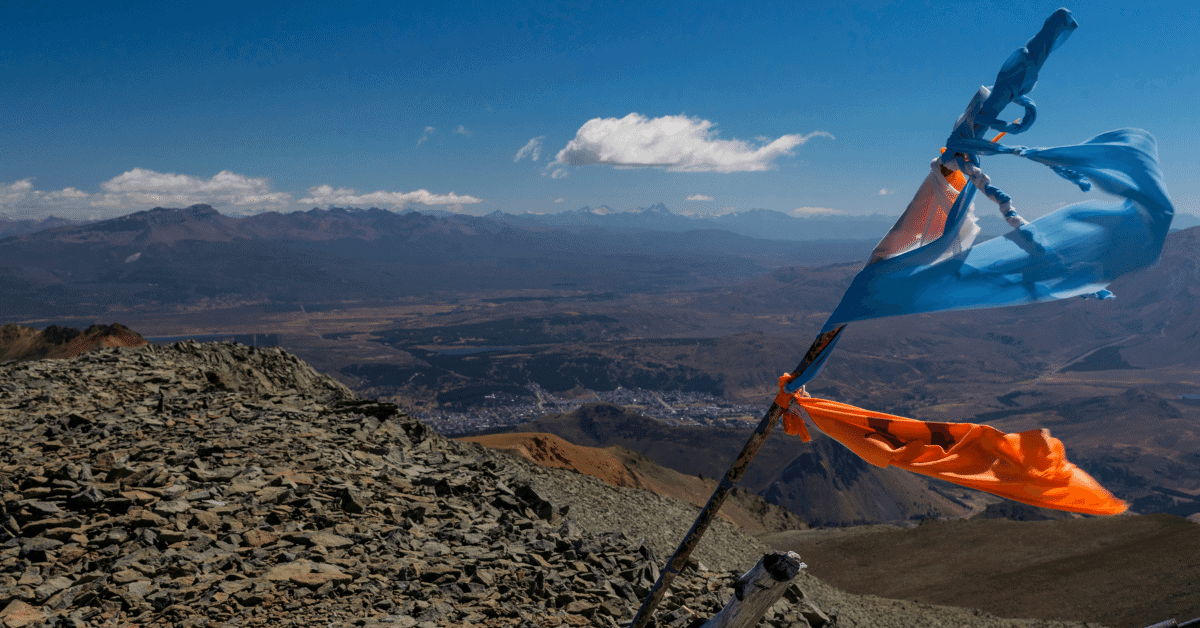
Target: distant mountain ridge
x,y
203,222
763,224
336,222
11,227
766,224
194,255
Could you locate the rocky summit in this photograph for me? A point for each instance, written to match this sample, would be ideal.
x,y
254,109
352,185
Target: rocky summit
x,y
219,484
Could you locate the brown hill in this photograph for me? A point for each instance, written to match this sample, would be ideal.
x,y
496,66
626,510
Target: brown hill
x,y
18,342
619,466
821,481
551,451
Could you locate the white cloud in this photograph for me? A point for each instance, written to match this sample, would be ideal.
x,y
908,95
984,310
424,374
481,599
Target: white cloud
x,y
818,211
22,201
425,136
677,143
140,188
22,193
66,195
559,200
531,149
327,195
885,192
699,197
558,173
462,130
15,192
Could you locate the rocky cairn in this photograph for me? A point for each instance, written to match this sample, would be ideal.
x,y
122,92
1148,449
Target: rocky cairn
x,y
219,484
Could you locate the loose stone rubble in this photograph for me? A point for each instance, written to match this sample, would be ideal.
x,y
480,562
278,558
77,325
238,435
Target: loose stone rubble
x,y
219,484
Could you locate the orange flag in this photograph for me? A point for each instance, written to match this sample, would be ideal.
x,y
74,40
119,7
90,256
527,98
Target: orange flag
x,y
1029,467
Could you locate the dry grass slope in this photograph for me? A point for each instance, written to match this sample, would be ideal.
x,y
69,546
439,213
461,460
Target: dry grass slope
x,y
1120,571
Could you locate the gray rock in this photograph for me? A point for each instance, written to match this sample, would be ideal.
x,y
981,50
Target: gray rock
x,y
174,507
51,586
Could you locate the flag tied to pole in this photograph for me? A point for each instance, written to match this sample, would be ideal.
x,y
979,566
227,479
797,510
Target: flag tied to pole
x,y
1029,467
1075,251
929,262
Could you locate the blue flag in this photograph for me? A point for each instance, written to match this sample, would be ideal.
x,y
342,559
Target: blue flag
x,y
929,262
1075,251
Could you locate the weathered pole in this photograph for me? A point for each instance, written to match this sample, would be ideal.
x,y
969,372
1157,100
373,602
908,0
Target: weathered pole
x,y
735,472
757,591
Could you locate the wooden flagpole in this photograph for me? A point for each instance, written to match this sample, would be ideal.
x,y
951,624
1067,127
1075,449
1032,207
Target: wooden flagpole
x,y
735,472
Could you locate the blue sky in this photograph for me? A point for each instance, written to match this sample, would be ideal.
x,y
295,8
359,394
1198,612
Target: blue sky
x,y
256,107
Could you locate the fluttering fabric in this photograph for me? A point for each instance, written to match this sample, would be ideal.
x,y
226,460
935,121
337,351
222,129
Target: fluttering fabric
x,y
1075,251
1030,467
929,262
924,220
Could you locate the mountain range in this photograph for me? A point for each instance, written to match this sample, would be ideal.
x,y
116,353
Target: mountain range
x,y
12,227
199,257
765,224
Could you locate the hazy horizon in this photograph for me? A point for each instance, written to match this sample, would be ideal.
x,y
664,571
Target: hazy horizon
x,y
442,210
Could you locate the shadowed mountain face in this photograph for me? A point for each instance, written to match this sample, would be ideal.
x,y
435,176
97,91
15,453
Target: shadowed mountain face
x,y
831,485
821,481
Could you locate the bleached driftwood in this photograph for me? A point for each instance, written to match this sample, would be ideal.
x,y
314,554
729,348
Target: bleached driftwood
x,y
757,591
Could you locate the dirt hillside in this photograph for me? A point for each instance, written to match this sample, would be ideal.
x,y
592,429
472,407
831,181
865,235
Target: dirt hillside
x,y
622,467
